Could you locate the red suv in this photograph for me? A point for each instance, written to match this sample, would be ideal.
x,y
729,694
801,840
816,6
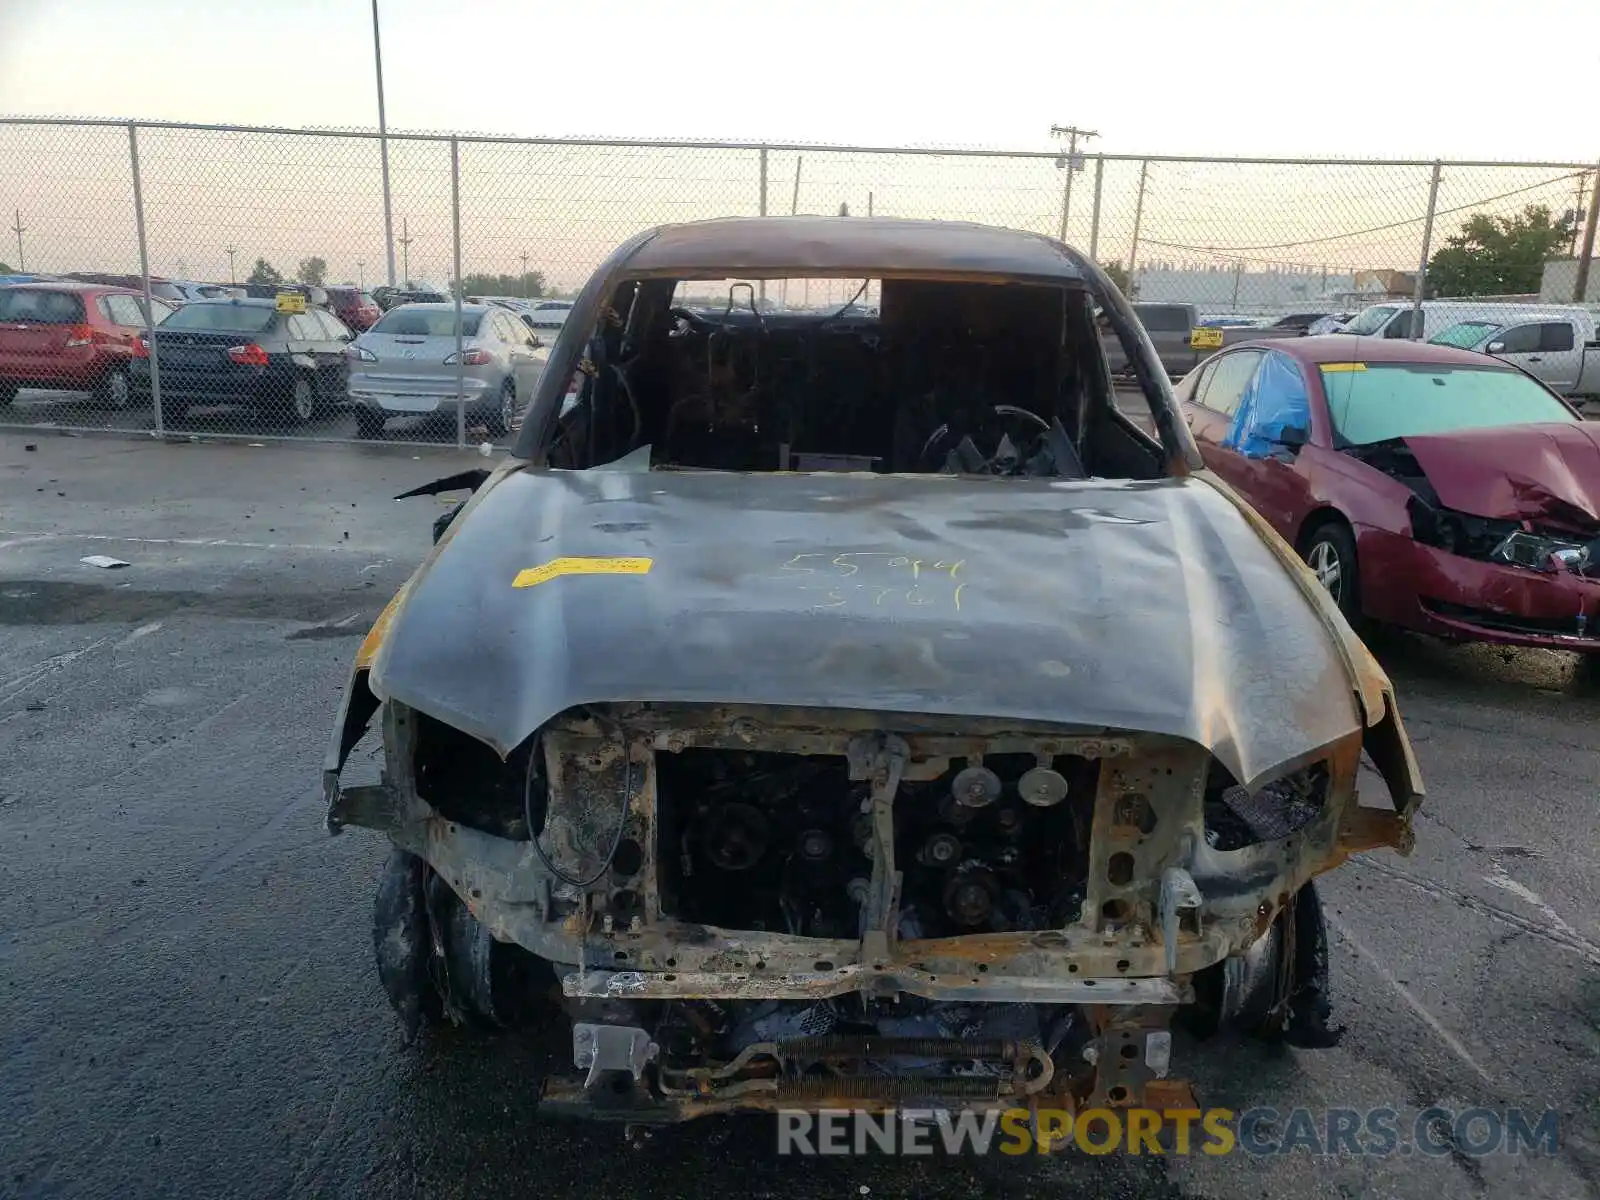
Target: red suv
x,y
354,307
71,337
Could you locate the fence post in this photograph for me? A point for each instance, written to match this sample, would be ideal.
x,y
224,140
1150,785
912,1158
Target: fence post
x,y
144,270
1580,280
1094,224
763,207
1066,200
1422,265
455,221
1138,219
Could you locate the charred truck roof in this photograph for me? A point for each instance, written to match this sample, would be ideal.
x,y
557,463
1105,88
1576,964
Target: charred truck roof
x,y
851,704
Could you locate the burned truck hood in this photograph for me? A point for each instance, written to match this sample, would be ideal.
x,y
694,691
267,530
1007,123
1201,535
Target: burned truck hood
x,y
1543,472
1148,606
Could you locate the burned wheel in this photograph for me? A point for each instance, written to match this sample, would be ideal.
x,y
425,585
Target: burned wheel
x,y
1331,554
437,961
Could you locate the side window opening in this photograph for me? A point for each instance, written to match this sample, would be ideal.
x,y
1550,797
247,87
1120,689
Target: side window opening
x,y
1520,339
1225,388
1555,337
1275,401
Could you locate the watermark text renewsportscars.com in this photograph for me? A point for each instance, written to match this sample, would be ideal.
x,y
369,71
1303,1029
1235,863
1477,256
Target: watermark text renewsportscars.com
x,y
1260,1132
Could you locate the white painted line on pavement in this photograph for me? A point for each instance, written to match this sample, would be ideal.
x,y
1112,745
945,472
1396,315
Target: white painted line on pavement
x,y
142,631
18,684
1500,879
1406,994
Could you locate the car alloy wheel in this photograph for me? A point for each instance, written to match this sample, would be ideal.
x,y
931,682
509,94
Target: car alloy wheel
x,y
304,400
1324,560
117,393
508,406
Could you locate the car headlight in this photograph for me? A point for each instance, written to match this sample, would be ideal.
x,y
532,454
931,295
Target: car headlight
x,y
1543,553
357,353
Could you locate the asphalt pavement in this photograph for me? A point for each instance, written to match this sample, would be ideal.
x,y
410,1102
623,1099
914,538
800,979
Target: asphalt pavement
x,y
187,1000
81,410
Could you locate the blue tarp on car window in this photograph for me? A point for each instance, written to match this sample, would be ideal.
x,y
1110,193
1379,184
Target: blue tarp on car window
x,y
1274,401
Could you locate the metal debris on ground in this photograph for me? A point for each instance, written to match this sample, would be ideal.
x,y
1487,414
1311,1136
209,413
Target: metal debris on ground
x,y
102,560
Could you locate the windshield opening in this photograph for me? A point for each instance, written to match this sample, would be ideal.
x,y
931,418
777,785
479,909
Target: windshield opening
x,y
224,318
1369,320
882,376
1464,335
1374,402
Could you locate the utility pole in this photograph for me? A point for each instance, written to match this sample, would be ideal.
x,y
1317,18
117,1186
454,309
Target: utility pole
x,y
1138,219
405,240
524,257
1238,270
1580,282
230,250
19,229
1583,179
1072,133
361,274
383,145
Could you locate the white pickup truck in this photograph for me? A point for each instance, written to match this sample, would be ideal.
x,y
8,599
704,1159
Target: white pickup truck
x,y
1556,344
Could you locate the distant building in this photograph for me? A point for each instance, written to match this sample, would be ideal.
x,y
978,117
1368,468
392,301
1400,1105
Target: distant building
x,y
1561,276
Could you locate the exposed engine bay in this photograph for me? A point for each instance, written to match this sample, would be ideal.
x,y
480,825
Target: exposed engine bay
x,y
943,378
743,909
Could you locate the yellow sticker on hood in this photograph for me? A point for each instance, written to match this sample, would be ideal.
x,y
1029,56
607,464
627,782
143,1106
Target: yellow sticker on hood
x,y
534,576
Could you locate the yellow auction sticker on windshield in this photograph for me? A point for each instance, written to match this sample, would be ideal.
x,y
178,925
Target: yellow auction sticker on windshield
x,y
534,576
1331,368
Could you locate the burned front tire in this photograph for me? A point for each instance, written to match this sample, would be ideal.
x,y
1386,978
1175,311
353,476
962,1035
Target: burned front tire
x,y
1276,991
403,941
437,961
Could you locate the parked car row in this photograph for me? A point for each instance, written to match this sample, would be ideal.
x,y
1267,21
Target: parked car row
x,y
285,362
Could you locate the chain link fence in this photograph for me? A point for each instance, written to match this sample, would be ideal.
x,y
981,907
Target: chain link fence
x,y
199,209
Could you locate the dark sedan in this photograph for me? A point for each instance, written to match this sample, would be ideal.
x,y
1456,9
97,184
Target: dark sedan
x,y
284,366
1427,487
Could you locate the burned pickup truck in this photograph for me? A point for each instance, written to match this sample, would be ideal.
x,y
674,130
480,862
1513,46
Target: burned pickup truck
x,y
854,707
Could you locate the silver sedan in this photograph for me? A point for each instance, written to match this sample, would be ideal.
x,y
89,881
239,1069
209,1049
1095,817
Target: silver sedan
x,y
405,365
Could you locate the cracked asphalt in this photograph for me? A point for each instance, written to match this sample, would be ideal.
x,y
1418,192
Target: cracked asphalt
x,y
187,1003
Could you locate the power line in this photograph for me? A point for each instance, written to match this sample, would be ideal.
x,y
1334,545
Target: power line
x,y
1233,251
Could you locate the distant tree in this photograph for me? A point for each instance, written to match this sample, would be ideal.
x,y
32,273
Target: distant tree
x,y
5,269
313,270
1119,276
264,273
1497,256
530,284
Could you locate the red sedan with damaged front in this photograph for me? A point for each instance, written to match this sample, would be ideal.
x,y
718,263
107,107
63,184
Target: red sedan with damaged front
x,y
1426,486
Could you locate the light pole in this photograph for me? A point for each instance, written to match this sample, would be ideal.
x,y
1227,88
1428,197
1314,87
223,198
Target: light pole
x,y
524,257
383,145
230,250
19,229
1072,133
361,274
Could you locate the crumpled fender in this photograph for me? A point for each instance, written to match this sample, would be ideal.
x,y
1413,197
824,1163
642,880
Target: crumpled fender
x,y
1385,739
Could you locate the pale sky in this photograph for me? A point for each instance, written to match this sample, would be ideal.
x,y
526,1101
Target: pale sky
x,y
1422,79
